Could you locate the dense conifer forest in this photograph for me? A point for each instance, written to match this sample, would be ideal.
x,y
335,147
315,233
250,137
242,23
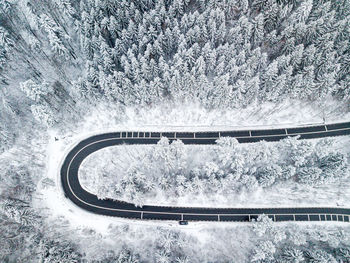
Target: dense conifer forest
x,y
61,60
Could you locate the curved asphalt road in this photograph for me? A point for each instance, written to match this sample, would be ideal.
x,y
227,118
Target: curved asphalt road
x,y
90,202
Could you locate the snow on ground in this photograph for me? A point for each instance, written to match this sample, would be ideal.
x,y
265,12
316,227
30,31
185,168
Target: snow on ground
x,y
176,117
113,232
189,117
288,113
51,199
284,194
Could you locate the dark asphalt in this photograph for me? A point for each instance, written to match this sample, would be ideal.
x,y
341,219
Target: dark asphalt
x,y
90,202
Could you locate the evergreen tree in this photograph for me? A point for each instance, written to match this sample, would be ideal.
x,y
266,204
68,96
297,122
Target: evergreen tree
x,y
293,255
35,91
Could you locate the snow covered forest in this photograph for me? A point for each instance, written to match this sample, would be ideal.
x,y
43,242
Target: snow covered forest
x,y
228,174
67,66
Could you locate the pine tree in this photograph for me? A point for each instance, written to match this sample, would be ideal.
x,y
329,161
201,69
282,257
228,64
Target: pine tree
x,y
303,11
35,91
268,175
258,29
309,175
43,113
200,66
55,34
293,255
5,40
269,77
158,85
53,251
319,256
264,251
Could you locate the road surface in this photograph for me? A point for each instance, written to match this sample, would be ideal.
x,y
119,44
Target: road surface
x,y
88,201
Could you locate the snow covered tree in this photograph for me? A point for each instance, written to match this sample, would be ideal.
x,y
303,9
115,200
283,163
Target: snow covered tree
x,y
264,252
309,175
319,256
35,91
60,59
128,257
5,41
162,257
19,211
268,175
43,113
55,35
53,251
262,225
65,6
258,29
293,255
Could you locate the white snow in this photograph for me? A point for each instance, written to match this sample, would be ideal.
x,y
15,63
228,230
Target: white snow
x,y
193,117
190,117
